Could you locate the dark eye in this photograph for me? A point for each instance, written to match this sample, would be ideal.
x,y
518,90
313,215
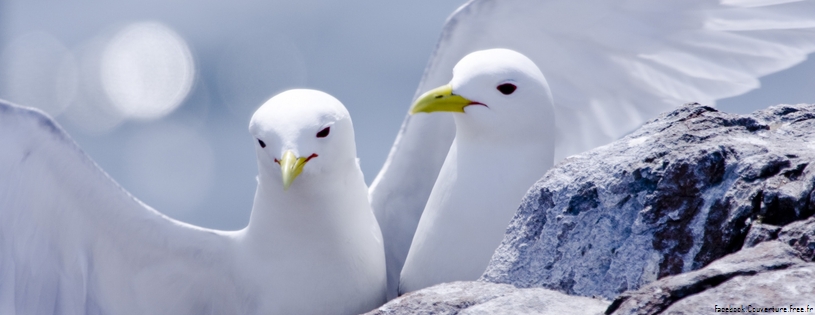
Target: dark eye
x,y
262,144
324,133
507,88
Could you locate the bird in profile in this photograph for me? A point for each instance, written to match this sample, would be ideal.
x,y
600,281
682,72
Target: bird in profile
x,y
72,241
611,66
504,142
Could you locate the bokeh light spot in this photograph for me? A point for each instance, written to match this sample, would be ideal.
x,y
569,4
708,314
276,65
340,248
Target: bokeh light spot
x,y
147,70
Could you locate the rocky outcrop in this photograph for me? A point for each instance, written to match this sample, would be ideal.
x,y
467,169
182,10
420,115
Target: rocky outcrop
x,y
728,282
672,197
773,274
695,210
800,236
478,297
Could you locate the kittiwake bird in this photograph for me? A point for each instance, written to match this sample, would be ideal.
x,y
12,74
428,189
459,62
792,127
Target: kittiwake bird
x,y
72,241
611,66
503,144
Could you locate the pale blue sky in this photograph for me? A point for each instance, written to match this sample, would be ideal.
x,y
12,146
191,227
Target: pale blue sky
x,y
197,164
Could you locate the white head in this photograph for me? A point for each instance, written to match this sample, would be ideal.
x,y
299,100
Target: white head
x,y
302,133
496,94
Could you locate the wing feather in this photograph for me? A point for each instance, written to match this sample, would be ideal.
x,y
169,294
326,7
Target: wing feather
x,y
64,223
611,65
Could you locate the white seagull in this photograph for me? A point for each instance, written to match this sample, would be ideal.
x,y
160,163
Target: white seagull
x,y
611,65
503,144
72,241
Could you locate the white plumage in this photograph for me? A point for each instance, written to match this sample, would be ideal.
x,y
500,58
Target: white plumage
x,y
74,242
610,65
504,142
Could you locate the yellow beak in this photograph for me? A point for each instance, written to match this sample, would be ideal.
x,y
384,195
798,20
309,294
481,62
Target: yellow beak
x,y
291,167
440,99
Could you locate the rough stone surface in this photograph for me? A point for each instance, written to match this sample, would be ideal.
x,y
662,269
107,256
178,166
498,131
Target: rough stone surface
x,y
748,277
759,233
779,291
447,298
776,271
801,236
477,297
672,197
538,301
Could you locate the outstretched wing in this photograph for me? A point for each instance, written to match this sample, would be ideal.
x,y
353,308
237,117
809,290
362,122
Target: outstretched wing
x,y
66,227
611,65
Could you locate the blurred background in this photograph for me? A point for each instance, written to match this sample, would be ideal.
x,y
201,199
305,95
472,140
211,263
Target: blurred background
x,y
159,93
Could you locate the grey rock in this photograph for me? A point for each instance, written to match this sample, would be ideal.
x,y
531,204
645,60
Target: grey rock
x,y
538,301
800,236
670,198
447,298
760,233
782,290
748,277
478,297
